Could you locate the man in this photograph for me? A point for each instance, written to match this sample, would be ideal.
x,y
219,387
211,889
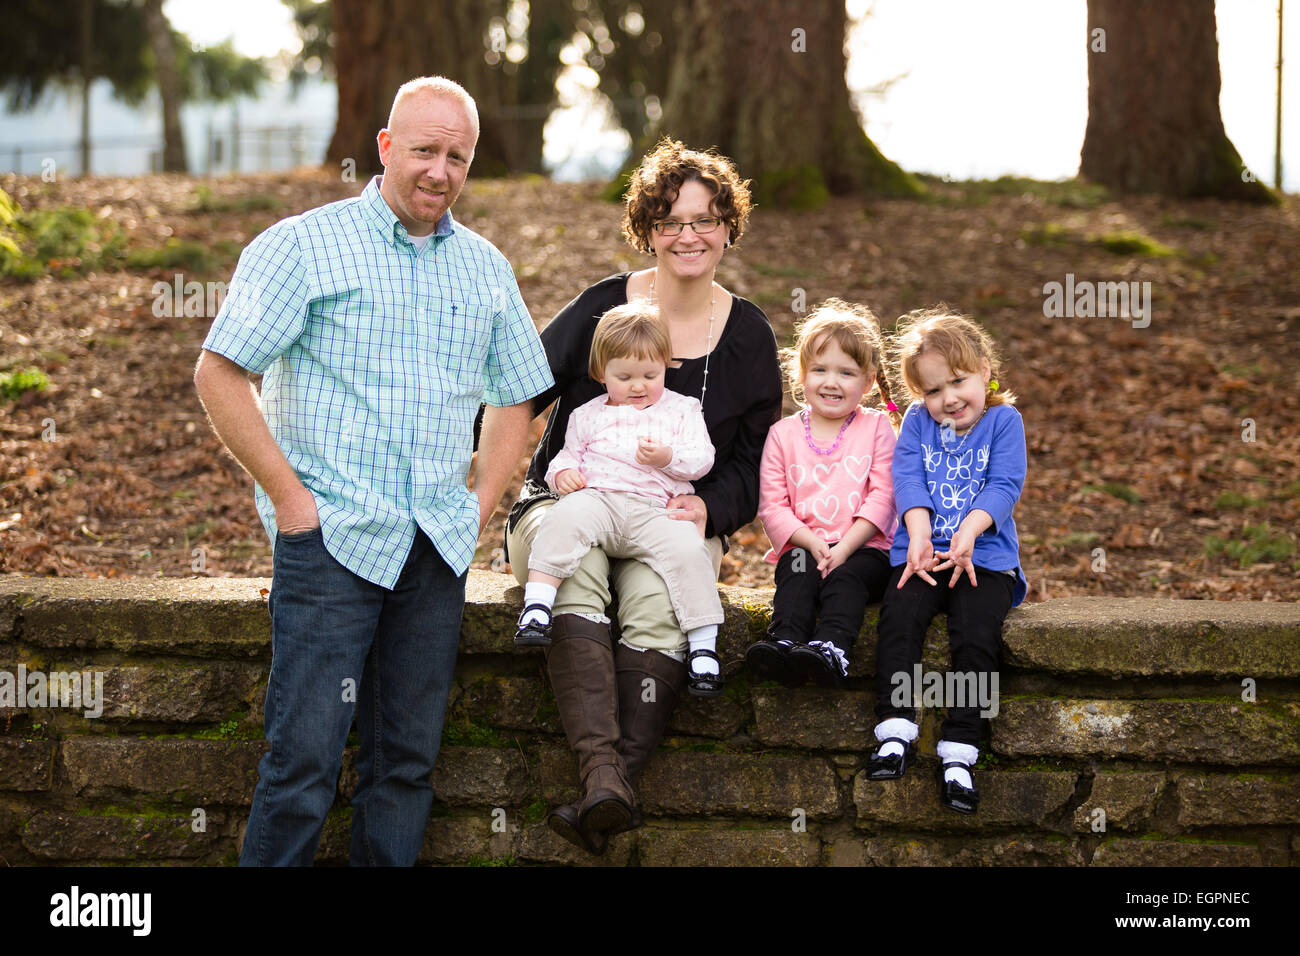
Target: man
x,y
379,324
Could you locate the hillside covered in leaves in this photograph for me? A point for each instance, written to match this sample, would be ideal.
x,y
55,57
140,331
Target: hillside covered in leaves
x,y
1162,459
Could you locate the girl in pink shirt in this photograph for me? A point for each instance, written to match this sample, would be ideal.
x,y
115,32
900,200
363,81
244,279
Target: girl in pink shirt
x,y
826,499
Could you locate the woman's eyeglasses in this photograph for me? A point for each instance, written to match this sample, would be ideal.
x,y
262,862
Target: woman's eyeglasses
x,y
702,227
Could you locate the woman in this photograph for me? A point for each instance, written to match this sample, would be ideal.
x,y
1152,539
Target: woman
x,y
684,208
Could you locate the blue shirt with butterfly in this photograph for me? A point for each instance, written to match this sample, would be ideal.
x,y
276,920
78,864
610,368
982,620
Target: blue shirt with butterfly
x,y
951,474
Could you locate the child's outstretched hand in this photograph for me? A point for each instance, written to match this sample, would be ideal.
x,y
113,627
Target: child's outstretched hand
x,y
920,560
653,453
959,557
569,481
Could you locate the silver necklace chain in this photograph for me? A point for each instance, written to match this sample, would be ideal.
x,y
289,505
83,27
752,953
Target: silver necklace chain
x,y
713,302
964,438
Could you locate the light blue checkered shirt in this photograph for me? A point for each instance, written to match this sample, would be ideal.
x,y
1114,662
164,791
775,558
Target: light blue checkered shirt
x,y
375,358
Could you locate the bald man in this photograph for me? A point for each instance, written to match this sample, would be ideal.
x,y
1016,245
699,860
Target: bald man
x,y
379,325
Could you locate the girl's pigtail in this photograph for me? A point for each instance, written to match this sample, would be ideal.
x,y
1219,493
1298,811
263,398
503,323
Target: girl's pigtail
x,y
895,416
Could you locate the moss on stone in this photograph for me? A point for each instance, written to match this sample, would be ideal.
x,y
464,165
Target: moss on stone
x,y
535,812
471,733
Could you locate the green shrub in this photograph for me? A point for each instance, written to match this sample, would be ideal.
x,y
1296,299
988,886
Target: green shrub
x,y
1133,243
174,254
1261,543
65,240
13,384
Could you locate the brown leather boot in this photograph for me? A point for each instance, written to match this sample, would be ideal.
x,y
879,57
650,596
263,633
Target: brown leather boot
x,y
581,667
649,684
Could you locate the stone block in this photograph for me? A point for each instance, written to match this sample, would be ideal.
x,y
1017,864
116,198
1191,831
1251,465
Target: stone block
x,y
1213,800
1009,849
537,844
1008,798
681,846
25,764
814,719
63,836
1181,731
1148,637
481,777
510,703
1128,800
192,617
689,784
195,773
1157,852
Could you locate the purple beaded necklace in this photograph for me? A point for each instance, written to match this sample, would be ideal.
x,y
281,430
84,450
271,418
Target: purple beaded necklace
x,y
807,432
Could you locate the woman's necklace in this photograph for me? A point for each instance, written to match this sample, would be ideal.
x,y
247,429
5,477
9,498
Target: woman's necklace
x,y
969,432
807,432
713,301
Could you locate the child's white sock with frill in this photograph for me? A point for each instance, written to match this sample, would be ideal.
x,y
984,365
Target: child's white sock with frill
x,y
895,727
950,752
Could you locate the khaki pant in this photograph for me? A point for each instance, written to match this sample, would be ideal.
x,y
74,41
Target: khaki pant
x,y
645,613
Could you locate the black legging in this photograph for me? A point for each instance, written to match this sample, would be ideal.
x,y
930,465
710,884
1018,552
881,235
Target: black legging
x,y
975,616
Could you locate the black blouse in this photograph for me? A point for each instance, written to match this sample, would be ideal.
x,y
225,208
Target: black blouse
x,y
742,403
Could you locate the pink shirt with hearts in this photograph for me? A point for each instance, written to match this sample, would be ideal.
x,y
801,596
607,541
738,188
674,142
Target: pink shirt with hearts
x,y
825,493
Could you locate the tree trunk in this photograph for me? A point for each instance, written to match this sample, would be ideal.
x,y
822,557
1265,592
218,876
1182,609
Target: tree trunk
x,y
86,26
763,81
380,44
160,41
1153,103
638,67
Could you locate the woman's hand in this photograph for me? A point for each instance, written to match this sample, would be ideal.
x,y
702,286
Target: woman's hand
x,y
920,560
569,481
959,557
691,508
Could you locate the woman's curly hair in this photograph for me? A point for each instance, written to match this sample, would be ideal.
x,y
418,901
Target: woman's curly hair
x,y
656,183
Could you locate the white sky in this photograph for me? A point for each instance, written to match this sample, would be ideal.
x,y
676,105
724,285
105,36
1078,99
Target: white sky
x,y
991,87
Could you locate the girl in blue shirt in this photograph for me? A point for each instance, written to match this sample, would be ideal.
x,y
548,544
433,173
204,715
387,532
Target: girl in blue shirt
x,y
958,470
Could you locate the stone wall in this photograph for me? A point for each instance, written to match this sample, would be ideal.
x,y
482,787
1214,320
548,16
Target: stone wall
x,y
1126,736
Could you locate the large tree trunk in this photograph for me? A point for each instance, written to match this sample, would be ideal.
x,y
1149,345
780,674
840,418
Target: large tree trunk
x,y
763,81
160,41
1153,103
380,44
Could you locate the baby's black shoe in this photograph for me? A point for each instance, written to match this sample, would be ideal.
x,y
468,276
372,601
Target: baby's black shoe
x,y
534,633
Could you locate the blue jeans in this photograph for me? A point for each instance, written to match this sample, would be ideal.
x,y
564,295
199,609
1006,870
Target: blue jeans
x,y
340,644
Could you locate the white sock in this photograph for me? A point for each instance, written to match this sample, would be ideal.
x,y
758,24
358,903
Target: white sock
x,y
537,592
703,639
895,727
950,752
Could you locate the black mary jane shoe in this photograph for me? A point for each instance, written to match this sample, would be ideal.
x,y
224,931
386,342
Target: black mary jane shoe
x,y
953,795
817,664
895,765
535,633
770,660
704,685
